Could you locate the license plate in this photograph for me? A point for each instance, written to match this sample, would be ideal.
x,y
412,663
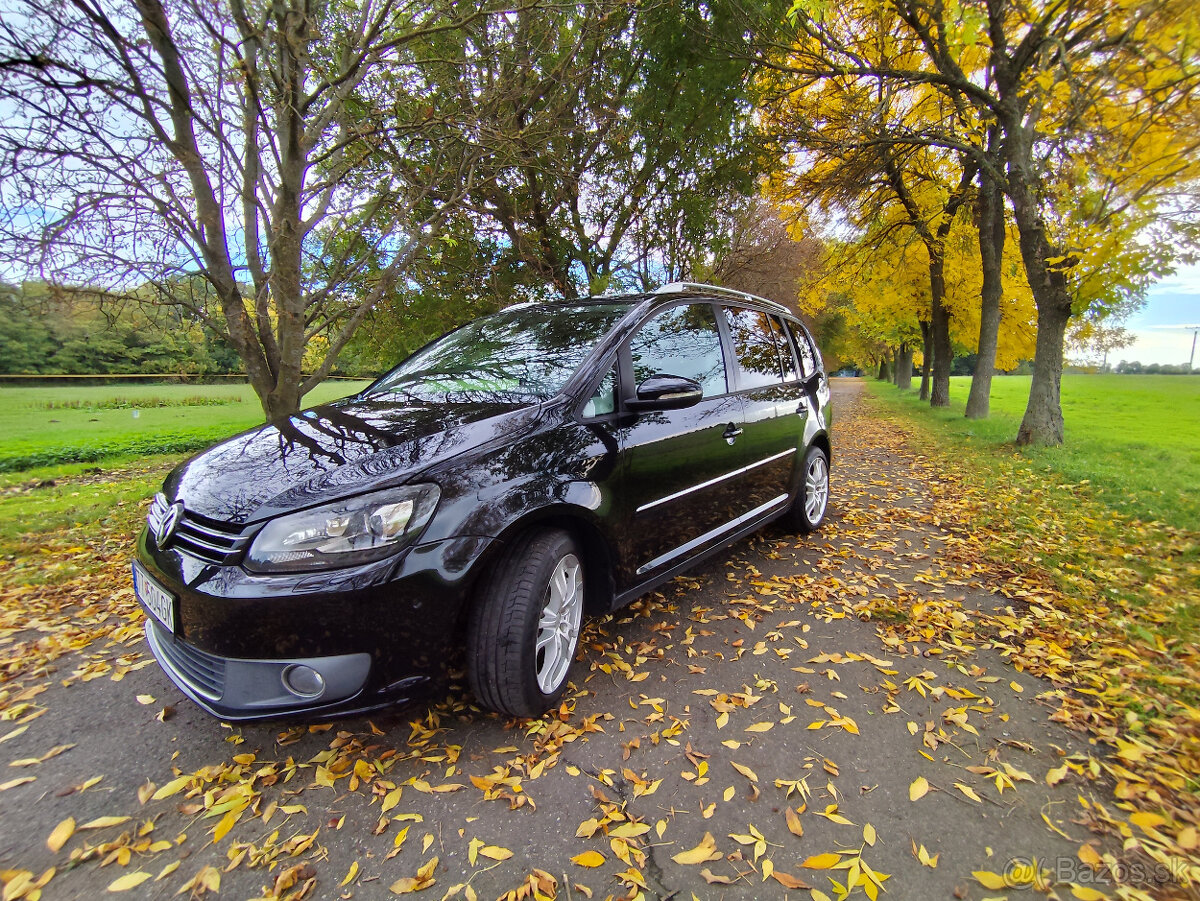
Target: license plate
x,y
155,598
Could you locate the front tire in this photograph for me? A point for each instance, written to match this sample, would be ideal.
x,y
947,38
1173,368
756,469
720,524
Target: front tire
x,y
812,501
524,627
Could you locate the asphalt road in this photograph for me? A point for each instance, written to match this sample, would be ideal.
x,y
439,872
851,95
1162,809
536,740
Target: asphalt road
x,y
751,701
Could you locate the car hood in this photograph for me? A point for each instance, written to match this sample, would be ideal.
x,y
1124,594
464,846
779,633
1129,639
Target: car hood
x,y
333,451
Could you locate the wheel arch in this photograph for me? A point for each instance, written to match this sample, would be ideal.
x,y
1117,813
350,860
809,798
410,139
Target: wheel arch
x,y
822,441
594,546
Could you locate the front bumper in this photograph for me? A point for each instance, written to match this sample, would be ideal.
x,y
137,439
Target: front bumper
x,y
236,689
376,634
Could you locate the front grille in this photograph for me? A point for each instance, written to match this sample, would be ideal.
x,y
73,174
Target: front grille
x,y
207,539
204,673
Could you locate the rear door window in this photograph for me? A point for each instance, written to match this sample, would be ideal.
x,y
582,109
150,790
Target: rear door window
x,y
755,348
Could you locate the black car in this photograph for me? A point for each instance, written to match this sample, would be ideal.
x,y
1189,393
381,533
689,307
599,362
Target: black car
x,y
532,466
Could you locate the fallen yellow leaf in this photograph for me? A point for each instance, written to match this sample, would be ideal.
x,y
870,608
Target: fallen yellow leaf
x,y
171,788
128,881
104,822
1146,820
969,792
62,832
826,861
793,822
745,771
702,853
422,880
991,880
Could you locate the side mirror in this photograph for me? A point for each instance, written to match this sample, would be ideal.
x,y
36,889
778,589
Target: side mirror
x,y
665,392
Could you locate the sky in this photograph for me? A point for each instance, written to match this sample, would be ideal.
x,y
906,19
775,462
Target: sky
x,y
1174,301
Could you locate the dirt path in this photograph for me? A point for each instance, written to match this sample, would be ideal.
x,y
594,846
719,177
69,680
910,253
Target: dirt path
x,y
747,731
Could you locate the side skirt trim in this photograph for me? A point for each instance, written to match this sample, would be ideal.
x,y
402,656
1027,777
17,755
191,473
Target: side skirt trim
x,y
712,534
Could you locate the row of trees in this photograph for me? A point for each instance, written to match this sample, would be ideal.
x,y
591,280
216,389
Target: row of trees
x,y
982,174
74,334
280,169
1036,161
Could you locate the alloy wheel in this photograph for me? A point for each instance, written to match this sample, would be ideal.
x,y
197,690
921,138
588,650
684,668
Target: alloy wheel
x,y
816,488
558,625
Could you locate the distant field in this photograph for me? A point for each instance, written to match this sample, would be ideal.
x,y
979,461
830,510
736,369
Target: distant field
x,y
1134,438
72,423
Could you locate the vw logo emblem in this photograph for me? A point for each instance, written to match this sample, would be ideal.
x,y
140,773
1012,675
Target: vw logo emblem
x,y
165,530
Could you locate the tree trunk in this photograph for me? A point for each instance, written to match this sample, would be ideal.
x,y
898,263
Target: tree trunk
x,y
939,395
883,369
1043,422
927,361
904,367
895,366
991,252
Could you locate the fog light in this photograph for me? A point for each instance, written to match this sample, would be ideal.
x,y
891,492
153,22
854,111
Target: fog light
x,y
303,681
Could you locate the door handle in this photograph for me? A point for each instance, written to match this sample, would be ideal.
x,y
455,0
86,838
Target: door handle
x,y
731,433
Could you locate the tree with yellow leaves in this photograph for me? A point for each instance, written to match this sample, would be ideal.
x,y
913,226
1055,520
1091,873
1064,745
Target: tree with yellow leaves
x,y
877,289
1083,113
840,132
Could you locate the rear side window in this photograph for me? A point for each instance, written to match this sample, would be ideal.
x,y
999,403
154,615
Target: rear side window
x,y
681,341
808,361
784,343
754,345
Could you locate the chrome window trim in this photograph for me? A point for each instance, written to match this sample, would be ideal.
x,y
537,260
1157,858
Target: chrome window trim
x,y
713,481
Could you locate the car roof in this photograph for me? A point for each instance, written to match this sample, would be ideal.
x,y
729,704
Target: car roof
x,y
664,295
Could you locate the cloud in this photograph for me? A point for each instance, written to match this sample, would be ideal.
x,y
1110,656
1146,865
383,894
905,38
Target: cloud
x,y
1185,281
1156,346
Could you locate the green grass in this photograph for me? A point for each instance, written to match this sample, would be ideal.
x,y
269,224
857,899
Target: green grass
x,y
1134,440
76,463
46,512
87,424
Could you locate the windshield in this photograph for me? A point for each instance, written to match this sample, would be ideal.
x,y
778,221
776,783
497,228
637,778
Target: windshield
x,y
518,356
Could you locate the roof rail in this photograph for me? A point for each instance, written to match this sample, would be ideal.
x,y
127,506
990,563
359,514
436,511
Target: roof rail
x,y
698,288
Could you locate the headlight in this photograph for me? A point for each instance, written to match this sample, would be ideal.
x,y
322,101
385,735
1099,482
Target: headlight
x,y
345,533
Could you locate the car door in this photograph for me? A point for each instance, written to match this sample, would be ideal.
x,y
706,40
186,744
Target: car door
x,y
680,483
773,404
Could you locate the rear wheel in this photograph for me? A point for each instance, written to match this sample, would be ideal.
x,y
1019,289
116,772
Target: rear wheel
x,y
808,510
525,624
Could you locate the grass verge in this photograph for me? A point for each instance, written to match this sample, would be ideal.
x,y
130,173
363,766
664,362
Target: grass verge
x,y
1104,605
1072,510
1135,440
48,512
91,424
